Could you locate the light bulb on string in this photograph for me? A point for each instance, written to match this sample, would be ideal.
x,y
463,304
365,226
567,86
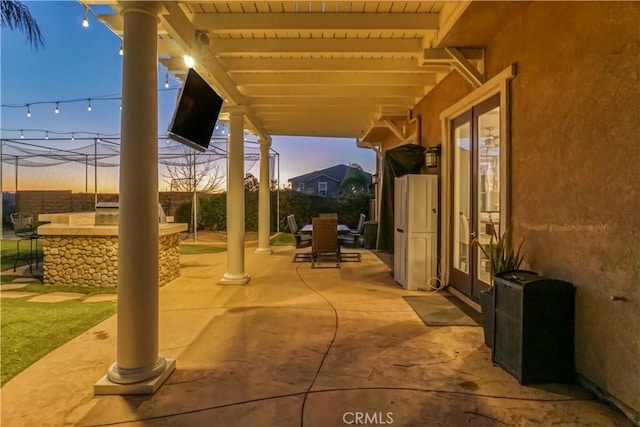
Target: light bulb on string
x,y
46,135
89,106
85,20
121,51
21,134
166,80
73,137
57,110
120,106
98,138
28,111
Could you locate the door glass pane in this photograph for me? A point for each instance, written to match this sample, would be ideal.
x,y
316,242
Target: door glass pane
x,y
488,214
462,197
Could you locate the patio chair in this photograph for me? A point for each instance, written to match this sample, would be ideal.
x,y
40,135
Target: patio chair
x,y
324,245
303,240
23,228
353,239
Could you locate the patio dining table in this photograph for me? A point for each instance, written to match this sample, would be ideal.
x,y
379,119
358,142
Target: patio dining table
x,y
309,228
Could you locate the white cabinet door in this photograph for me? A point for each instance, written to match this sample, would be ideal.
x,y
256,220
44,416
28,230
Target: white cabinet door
x,y
399,230
421,261
422,203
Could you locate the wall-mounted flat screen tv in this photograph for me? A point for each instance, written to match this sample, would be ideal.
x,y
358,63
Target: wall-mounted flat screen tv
x,y
196,113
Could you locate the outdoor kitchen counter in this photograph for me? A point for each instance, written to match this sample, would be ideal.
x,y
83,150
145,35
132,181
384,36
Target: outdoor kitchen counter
x,y
100,230
79,253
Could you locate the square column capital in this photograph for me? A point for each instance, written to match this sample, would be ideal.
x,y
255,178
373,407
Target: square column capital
x,y
236,111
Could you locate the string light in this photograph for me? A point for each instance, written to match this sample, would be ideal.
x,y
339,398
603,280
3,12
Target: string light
x,y
71,135
121,106
121,51
166,80
85,20
57,110
28,111
89,106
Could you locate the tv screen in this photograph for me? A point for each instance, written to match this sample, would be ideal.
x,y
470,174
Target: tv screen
x,y
196,113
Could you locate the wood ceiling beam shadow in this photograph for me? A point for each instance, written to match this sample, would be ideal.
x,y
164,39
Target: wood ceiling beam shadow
x,y
346,101
316,46
324,131
324,91
362,65
226,23
334,78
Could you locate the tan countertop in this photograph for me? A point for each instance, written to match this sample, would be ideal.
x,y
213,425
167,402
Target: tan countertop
x,y
62,229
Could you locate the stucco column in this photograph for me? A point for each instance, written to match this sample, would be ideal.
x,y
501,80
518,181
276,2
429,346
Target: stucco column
x,y
264,202
138,368
235,274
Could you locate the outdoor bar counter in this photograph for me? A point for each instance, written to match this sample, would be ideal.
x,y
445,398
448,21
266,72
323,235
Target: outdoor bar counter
x,y
78,252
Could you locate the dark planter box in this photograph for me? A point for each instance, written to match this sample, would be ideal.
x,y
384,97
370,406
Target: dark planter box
x,y
534,327
487,305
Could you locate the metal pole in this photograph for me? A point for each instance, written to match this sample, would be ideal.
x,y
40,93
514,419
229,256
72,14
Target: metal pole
x,y
278,196
86,173
95,171
1,192
195,201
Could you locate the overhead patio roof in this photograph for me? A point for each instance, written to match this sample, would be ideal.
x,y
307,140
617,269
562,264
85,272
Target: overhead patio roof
x,y
315,68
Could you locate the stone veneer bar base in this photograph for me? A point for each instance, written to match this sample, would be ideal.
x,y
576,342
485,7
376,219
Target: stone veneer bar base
x,y
79,253
106,386
93,260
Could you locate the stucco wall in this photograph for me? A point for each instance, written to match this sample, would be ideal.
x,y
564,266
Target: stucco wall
x,y
575,180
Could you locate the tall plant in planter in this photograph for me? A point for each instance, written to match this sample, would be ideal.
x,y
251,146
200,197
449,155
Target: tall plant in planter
x,y
502,257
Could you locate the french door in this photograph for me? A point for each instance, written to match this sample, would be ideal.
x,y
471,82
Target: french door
x,y
475,210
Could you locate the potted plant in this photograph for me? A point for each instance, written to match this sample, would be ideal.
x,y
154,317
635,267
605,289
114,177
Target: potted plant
x,y
502,257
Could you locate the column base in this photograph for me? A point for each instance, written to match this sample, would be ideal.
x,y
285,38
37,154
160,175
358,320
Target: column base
x,y
264,251
149,386
235,279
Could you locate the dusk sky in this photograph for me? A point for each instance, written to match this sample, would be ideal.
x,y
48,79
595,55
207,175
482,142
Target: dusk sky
x,y
81,63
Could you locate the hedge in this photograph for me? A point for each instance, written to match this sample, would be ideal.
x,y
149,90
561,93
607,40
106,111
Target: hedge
x,y
212,210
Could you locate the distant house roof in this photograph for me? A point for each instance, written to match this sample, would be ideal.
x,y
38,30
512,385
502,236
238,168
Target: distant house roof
x,y
335,173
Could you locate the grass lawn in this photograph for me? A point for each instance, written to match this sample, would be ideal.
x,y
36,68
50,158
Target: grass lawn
x,y
284,239
200,249
30,330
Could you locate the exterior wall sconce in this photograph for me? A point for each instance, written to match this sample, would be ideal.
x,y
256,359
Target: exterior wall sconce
x,y
431,156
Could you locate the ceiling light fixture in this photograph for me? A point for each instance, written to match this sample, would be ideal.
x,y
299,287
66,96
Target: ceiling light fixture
x,y
189,61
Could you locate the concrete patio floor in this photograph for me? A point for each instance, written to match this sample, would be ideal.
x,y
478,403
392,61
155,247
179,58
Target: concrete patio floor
x,y
297,346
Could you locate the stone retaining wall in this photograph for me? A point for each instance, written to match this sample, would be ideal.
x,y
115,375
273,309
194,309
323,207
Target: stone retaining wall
x,y
93,260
